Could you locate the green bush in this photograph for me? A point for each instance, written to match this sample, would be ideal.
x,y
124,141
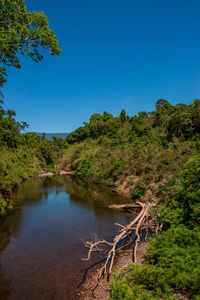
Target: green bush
x,y
16,166
184,205
172,266
109,182
85,169
5,205
138,190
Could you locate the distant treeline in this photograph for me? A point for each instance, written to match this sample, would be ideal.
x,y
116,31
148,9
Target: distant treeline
x,y
49,136
180,120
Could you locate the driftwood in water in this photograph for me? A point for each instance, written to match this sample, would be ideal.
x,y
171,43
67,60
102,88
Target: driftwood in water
x,y
139,227
127,207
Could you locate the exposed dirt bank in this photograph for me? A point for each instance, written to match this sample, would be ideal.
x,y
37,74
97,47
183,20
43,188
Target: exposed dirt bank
x,y
102,292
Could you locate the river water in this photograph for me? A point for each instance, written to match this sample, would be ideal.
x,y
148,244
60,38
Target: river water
x,y
41,246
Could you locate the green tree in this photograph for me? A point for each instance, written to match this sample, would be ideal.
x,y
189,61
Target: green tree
x,y
107,116
185,204
23,33
9,128
123,116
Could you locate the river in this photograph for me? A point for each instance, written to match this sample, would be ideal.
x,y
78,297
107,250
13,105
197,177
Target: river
x,y
41,246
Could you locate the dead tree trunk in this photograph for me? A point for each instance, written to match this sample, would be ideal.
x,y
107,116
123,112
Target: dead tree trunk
x,y
143,223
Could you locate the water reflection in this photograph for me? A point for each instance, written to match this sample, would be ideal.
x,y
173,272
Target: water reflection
x,y
40,241
5,283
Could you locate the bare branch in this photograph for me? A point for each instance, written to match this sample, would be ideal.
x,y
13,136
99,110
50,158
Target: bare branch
x,y
141,224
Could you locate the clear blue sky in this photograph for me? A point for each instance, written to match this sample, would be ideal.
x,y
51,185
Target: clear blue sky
x,y
116,54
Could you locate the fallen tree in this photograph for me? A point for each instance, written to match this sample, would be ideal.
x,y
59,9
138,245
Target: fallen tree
x,y
137,230
127,207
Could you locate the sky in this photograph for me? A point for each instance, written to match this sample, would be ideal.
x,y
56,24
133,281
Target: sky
x,y
116,54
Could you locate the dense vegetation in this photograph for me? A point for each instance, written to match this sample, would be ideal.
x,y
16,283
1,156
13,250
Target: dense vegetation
x,y
153,156
22,155
150,147
172,264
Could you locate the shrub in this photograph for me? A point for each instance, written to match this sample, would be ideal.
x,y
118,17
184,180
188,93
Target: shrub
x,y
85,169
138,190
5,205
16,166
184,205
109,182
172,265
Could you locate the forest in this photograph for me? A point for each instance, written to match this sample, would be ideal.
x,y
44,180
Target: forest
x,y
148,157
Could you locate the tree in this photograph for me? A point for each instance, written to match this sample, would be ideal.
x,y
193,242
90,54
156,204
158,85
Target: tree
x,y
23,33
123,116
10,129
107,116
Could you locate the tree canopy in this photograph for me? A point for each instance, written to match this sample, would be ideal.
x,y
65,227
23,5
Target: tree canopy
x,y
23,33
181,121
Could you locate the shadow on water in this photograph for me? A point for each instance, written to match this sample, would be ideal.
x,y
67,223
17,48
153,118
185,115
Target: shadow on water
x,y
40,241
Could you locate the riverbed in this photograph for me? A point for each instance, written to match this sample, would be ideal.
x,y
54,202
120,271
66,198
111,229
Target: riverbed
x,y
41,240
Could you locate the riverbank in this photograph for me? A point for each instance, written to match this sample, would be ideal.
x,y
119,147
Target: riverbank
x,y
123,259
96,284
166,246
6,202
50,174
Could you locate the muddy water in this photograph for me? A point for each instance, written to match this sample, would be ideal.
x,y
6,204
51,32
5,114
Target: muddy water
x,y
41,245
